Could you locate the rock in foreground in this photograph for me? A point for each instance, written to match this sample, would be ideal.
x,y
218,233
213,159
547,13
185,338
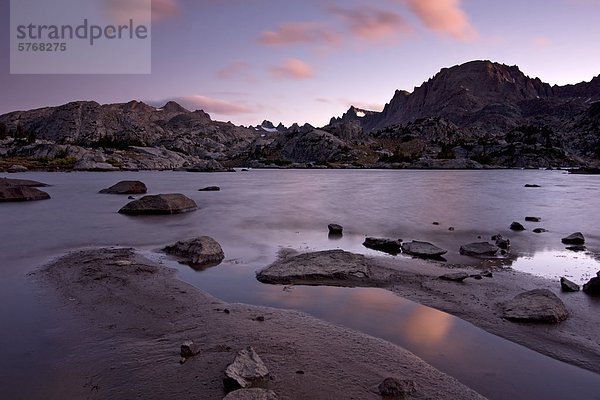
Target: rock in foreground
x,y
423,249
576,238
126,187
21,193
251,394
568,286
391,246
202,250
593,286
539,305
160,204
246,371
336,265
479,249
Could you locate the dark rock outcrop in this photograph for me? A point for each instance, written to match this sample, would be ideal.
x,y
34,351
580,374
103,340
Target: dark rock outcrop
x,y
576,238
391,246
210,189
160,204
126,187
335,229
516,226
568,286
533,219
539,305
593,286
199,251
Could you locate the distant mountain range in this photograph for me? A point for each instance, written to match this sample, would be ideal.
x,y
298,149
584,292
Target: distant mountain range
x,y
474,115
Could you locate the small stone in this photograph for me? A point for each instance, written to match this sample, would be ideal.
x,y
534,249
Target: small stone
x,y
455,277
392,388
131,198
516,226
488,274
246,371
477,277
189,349
226,311
529,185
260,318
451,229
436,223
210,189
539,230
568,286
423,249
200,251
533,219
335,229
482,249
576,238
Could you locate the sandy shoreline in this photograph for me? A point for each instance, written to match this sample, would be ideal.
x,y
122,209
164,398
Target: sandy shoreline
x,y
132,317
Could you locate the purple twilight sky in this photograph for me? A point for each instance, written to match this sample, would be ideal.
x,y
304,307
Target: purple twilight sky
x,y
306,61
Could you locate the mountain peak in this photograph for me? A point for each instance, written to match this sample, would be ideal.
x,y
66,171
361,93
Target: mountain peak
x,y
173,106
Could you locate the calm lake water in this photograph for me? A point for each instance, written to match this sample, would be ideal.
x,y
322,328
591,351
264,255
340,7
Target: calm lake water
x,y
259,212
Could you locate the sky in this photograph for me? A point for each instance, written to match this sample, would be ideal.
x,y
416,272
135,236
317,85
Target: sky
x,y
309,60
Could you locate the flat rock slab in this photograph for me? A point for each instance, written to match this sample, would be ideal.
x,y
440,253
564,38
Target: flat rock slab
x,y
323,265
246,371
21,182
126,187
160,204
423,249
479,249
200,251
576,238
391,246
210,189
251,394
21,193
539,305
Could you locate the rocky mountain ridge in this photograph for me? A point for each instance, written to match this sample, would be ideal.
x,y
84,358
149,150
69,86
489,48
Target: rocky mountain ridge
x,y
472,115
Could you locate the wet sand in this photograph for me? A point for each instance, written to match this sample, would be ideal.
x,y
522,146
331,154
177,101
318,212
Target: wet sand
x,y
130,317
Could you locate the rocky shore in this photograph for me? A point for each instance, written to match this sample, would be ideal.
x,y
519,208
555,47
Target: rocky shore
x,y
132,317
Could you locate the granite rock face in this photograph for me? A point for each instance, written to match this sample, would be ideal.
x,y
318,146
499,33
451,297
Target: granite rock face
x,y
539,305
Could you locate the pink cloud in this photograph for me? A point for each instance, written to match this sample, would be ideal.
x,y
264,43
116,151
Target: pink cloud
x,y
444,17
122,11
236,69
362,105
293,69
300,33
541,42
370,23
213,105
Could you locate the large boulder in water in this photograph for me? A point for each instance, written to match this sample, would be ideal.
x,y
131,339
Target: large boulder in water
x,y
391,246
423,249
200,251
539,305
593,286
21,193
160,204
330,265
126,187
21,182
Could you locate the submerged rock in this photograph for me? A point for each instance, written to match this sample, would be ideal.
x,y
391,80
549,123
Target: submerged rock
x,y
251,394
323,265
210,189
423,249
126,187
391,246
576,238
21,193
533,219
479,249
246,371
335,229
160,204
189,349
516,226
539,305
539,230
199,251
568,286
